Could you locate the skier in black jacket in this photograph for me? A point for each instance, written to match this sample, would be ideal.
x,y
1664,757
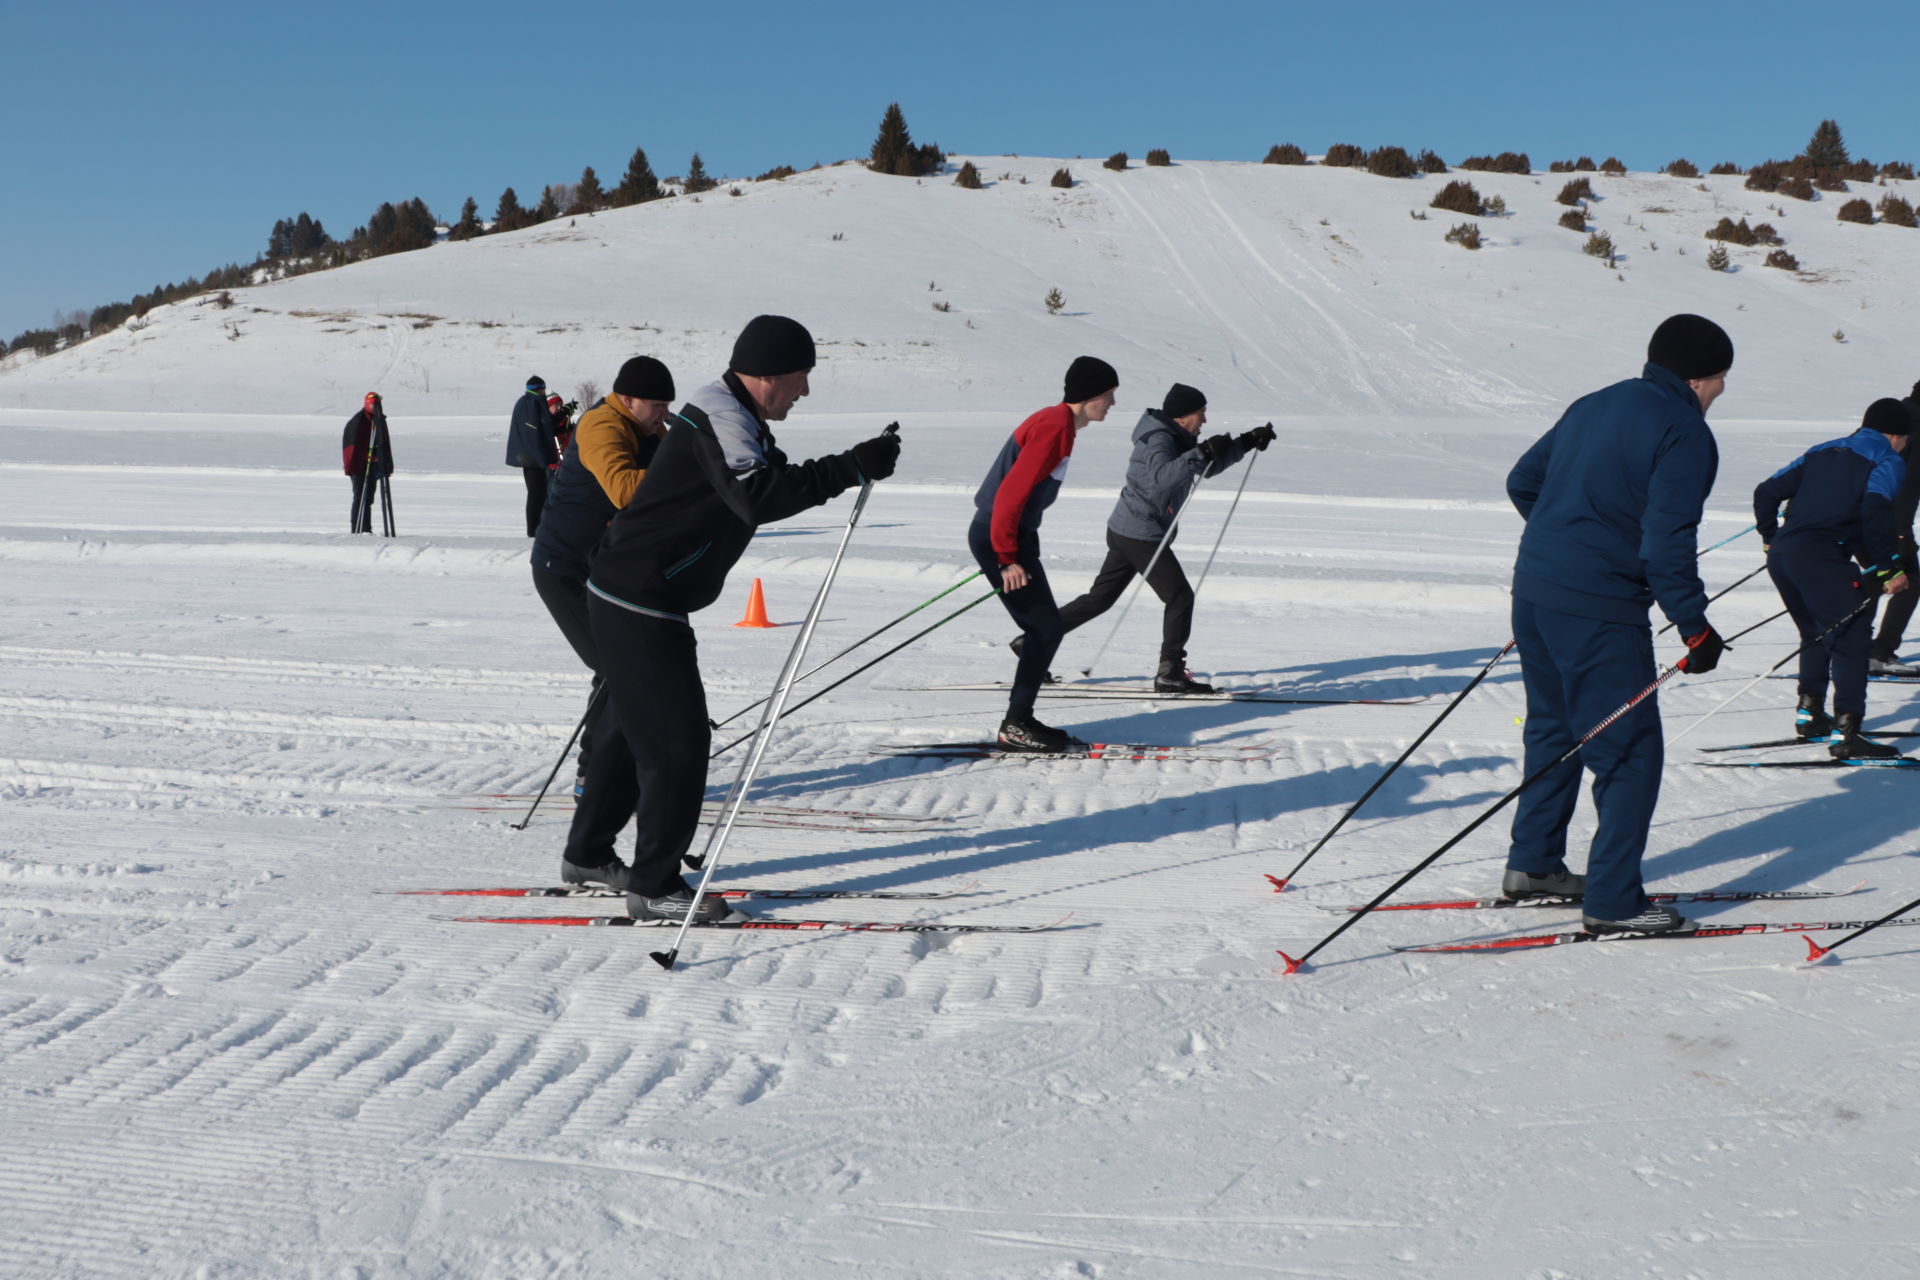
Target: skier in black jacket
x,y
1885,658
530,446
366,452
717,477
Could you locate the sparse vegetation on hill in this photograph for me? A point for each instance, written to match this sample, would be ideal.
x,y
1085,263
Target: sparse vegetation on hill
x,y
1726,167
697,181
1718,259
1574,219
1060,178
1505,162
1612,165
968,177
1158,158
1782,259
1896,211
1459,196
1856,211
1465,234
1285,153
1117,161
893,150
1344,155
1430,162
1575,191
1682,168
1391,162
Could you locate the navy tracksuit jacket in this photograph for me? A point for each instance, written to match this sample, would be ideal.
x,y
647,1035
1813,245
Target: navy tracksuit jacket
x,y
1612,497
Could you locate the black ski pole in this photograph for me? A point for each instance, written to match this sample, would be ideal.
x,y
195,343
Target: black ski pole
x,y
857,670
1722,591
1864,605
1280,885
599,691
1816,952
1294,966
855,645
1152,560
386,505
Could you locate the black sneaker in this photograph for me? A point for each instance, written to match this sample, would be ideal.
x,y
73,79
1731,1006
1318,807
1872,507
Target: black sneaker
x,y
1024,733
1891,667
674,906
1175,678
1655,918
1560,884
613,874
1810,718
1849,745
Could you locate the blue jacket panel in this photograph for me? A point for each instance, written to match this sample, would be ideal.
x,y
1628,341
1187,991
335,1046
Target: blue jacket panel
x,y
1843,494
1159,476
530,435
1612,499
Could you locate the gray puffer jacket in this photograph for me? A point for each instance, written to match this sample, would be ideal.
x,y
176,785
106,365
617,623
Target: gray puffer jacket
x,y
1159,475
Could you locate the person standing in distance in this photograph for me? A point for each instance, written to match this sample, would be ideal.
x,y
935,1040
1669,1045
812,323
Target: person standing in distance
x,y
1167,454
1005,537
530,446
1612,497
716,478
366,452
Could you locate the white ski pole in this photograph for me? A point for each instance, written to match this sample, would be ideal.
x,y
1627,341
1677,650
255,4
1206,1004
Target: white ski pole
x,y
1208,567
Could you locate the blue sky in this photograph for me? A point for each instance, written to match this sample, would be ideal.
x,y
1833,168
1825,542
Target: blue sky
x,y
145,143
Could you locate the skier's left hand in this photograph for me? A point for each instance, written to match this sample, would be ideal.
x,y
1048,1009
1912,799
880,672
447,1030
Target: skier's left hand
x,y
1703,651
1897,583
1258,438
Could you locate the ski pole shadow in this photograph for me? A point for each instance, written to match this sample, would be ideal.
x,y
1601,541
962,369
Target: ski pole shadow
x,y
1345,678
1798,843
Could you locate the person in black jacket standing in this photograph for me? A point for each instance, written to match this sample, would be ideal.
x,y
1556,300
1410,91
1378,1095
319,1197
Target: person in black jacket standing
x,y
366,453
1885,658
716,478
530,446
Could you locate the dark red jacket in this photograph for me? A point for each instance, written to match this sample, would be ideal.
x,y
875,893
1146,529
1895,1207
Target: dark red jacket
x,y
353,445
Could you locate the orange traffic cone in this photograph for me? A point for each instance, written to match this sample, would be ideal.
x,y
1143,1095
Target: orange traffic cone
x,y
756,609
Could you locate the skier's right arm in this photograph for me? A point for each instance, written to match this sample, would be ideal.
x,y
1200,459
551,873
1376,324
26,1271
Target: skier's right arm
x,y
1529,474
1770,493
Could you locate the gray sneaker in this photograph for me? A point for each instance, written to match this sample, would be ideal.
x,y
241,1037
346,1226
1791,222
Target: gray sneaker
x,y
613,874
1891,667
675,905
1560,884
1655,918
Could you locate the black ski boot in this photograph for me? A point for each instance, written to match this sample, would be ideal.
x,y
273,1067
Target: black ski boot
x,y
1015,643
1024,733
612,873
674,905
1653,918
1810,718
1175,678
1890,665
1558,884
1848,743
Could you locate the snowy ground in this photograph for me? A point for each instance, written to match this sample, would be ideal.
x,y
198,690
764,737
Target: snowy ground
x,y
229,726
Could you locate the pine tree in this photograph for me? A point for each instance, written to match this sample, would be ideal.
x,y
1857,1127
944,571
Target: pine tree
x,y
639,185
280,240
508,215
697,179
308,237
893,149
549,207
587,195
381,226
1827,149
469,225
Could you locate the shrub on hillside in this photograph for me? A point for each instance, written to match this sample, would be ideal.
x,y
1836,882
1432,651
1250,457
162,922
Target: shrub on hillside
x,y
1060,178
1344,155
1763,233
1158,158
1560,166
1859,171
1584,164
1829,180
1782,259
1459,196
1576,191
1896,211
968,177
1856,211
1054,299
1466,235
1505,162
1117,161
1285,153
1612,165
779,173
1430,161
1391,162
1718,259
1799,188
1897,169
1732,232
1682,168
1726,167
1574,219
1599,245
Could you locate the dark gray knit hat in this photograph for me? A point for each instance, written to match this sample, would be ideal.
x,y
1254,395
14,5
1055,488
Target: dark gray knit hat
x,y
1087,378
644,378
772,345
1691,347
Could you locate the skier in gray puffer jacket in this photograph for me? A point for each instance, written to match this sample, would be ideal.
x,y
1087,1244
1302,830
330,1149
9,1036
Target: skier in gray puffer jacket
x,y
1168,455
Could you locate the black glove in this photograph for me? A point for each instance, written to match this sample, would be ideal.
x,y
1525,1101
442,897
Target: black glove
x,y
1214,448
1703,651
1258,438
876,457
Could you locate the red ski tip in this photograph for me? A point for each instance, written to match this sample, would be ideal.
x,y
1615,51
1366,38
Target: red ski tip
x,y
1279,885
1814,950
1293,966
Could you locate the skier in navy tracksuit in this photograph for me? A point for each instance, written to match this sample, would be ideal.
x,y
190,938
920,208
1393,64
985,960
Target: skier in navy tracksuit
x,y
1843,494
1612,499
1885,660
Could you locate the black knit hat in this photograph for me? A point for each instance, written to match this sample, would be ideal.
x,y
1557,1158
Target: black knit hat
x,y
536,383
1087,378
772,345
1889,417
1691,347
1182,400
644,378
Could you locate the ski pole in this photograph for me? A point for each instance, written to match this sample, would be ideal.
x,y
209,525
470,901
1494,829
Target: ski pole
x,y
855,645
386,506
769,717
1294,966
599,692
1815,951
857,670
1152,560
1724,541
1208,567
1280,885
1716,595
1866,604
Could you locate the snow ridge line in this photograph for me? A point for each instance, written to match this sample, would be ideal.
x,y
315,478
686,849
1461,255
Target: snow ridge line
x,y
229,720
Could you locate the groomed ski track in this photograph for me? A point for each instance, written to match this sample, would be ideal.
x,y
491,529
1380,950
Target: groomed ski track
x,y
223,1054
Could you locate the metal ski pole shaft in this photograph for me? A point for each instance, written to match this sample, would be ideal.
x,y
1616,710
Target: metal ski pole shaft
x,y
1294,966
1279,886
1724,541
1222,536
1722,591
386,506
769,717
1864,606
1152,560
599,692
812,697
815,670
1815,951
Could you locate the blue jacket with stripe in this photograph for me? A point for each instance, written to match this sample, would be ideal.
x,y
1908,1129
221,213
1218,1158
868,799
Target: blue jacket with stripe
x,y
1842,495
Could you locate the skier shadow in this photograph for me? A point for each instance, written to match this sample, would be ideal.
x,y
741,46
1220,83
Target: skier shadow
x,y
1258,800
1325,677
1869,809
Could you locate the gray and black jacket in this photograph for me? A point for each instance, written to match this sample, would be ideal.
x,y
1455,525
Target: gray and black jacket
x,y
1160,473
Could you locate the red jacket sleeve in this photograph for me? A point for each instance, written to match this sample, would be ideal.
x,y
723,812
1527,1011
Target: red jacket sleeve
x,y
1045,440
